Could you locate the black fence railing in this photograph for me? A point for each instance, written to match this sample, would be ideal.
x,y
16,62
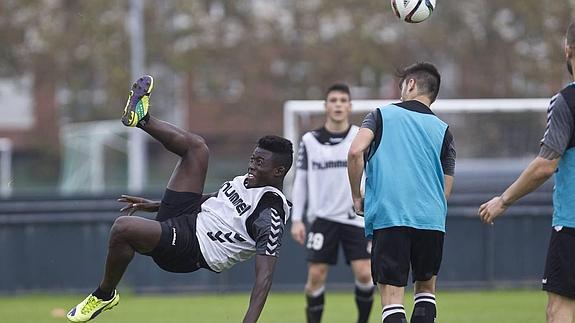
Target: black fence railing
x,y
59,244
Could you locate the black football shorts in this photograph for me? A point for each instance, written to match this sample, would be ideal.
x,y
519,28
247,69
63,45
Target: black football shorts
x,y
324,239
396,249
559,276
179,249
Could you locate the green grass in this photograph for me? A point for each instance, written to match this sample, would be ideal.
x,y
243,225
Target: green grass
x,y
461,307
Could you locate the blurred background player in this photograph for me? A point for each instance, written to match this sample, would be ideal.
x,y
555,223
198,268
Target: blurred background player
x,y
321,185
556,156
245,217
409,174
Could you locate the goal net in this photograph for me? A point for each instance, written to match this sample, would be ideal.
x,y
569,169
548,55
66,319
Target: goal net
x,y
503,130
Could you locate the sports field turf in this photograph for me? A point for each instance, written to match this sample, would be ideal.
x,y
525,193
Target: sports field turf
x,y
461,307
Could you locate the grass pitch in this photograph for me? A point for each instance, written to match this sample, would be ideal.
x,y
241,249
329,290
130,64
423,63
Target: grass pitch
x,y
515,306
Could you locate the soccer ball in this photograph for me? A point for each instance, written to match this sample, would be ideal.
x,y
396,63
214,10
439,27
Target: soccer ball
x,y
413,11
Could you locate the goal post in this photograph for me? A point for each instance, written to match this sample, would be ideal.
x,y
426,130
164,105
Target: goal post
x,y
5,167
294,110
85,148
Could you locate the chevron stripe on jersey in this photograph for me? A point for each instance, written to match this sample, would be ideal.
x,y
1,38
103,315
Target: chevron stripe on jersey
x,y
275,233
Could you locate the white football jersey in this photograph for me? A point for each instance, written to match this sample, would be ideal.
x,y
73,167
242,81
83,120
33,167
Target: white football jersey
x,y
327,184
221,224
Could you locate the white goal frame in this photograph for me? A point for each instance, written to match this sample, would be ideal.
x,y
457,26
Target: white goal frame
x,y
87,141
5,167
295,108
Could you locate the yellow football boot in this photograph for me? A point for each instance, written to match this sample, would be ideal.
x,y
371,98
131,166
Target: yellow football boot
x,y
91,307
136,110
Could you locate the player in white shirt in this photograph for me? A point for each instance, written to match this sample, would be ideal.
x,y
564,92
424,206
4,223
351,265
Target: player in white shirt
x,y
321,190
245,217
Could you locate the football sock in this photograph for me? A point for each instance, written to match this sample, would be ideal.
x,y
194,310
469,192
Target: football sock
x,y
424,310
314,309
105,296
394,313
144,120
363,300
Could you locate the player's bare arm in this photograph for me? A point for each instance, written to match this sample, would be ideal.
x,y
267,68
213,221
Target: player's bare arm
x,y
298,230
355,165
448,180
265,266
538,171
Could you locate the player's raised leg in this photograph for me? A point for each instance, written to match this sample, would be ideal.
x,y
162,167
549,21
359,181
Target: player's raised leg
x,y
190,173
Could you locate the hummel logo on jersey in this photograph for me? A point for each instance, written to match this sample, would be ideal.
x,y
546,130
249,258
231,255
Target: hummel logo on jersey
x,y
225,237
234,197
275,230
329,164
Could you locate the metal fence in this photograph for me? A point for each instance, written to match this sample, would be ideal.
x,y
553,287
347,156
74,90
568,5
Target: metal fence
x,y
59,244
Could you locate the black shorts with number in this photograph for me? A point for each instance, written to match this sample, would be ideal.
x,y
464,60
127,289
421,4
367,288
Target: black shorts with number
x,y
395,249
179,250
325,236
559,277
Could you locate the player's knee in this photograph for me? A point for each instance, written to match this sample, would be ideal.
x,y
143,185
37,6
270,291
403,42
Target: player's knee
x,y
316,279
197,144
363,276
120,229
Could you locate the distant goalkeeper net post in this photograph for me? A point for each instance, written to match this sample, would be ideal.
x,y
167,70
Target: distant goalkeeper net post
x,y
5,167
461,114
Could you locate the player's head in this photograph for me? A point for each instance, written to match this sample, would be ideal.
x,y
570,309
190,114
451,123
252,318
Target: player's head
x,y
337,103
419,79
270,162
570,47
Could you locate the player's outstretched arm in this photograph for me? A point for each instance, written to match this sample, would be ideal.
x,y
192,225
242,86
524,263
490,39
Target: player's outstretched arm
x,y
355,164
265,266
538,171
135,203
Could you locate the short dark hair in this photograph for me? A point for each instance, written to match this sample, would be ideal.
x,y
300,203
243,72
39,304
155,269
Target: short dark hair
x,y
281,147
426,75
570,34
339,87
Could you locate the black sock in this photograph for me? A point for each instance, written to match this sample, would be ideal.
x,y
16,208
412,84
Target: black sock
x,y
394,313
314,308
105,296
424,310
144,120
363,300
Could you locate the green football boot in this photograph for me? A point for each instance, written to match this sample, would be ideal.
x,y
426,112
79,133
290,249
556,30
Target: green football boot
x,y
91,307
136,110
